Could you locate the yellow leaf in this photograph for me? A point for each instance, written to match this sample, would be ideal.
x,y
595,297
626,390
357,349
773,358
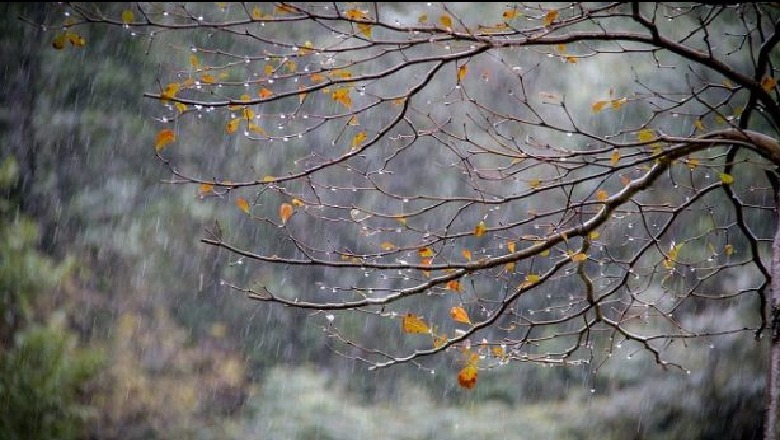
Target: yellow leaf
x,y
598,106
267,179
439,341
602,195
594,235
510,246
550,17
248,114
387,246
510,14
498,352
693,163
316,77
530,280
127,16
699,124
535,183
579,256
290,66
207,78
254,128
414,325
614,158
480,229
671,256
170,90
164,137
232,126
242,204
425,252
353,121
297,203
59,42
462,72
205,188
75,39
509,267
341,73
342,95
180,107
355,14
358,139
768,83
728,249
284,9
646,135
617,103
189,82
466,254
268,70
467,377
453,285
400,219
446,21
571,59
422,19
265,93
194,61
459,314
364,29
285,212
257,13
727,179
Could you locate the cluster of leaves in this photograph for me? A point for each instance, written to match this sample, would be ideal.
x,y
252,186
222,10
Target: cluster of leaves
x,y
531,216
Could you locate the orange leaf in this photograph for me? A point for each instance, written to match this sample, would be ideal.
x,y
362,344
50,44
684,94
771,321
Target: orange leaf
x,y
439,340
386,246
358,139
614,158
446,21
170,90
510,14
466,254
467,377
602,195
342,96
164,137
243,204
598,106
205,188
550,17
285,212
579,256
768,83
453,285
365,29
425,252
355,14
462,72
459,314
207,78
232,126
265,93
480,229
414,325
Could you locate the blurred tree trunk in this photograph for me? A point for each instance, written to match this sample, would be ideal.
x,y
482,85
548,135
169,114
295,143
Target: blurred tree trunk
x,y
773,370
